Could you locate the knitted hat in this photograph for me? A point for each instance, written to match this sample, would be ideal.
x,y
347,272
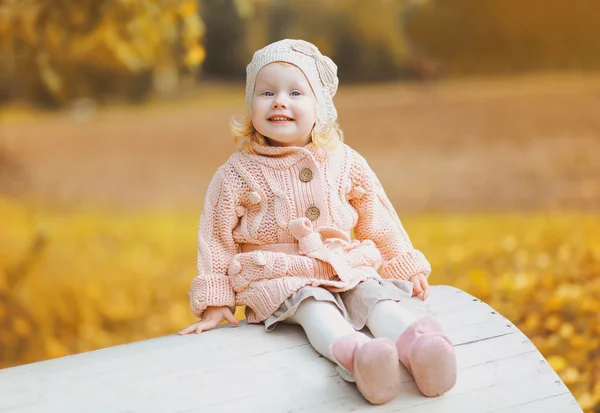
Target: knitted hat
x,y
320,71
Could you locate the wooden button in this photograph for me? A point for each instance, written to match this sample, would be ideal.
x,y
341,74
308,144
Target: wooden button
x,y
306,175
312,213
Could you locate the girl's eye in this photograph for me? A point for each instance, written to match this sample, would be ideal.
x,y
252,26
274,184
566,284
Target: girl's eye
x,y
268,94
296,93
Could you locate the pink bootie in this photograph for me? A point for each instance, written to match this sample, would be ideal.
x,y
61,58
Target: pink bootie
x,y
374,365
428,354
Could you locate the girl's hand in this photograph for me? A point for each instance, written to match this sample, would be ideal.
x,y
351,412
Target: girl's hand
x,y
420,285
212,317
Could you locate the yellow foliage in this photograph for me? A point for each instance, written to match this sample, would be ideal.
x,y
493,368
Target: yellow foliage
x,y
81,280
69,46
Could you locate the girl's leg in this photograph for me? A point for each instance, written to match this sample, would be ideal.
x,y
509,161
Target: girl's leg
x,y
372,362
389,319
324,324
422,346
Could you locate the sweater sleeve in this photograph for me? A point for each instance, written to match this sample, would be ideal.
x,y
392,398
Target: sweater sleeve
x,y
379,222
216,248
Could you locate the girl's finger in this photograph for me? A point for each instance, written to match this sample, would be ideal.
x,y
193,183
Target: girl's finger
x,y
417,287
425,286
205,325
425,292
189,329
231,318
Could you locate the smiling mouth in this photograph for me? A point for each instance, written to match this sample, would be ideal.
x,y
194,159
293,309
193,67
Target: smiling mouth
x,y
280,119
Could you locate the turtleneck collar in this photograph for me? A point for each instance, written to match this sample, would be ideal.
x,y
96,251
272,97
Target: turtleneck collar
x,y
285,156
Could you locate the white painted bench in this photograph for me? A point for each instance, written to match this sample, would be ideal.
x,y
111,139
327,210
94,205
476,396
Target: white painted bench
x,y
245,369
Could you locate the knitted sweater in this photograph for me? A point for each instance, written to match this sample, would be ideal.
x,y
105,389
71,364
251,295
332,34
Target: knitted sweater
x,y
278,220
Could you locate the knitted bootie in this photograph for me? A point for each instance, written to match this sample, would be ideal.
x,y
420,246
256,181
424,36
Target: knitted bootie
x,y
373,363
428,354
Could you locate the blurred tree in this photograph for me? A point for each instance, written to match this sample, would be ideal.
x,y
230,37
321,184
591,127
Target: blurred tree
x,y
365,39
58,51
225,28
500,36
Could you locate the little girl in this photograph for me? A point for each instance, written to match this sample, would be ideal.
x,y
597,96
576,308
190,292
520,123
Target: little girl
x,y
275,236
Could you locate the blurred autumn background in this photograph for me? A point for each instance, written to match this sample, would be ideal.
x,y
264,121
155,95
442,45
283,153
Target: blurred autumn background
x,y
482,119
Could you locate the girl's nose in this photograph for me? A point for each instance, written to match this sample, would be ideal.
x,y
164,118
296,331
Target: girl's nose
x,y
279,102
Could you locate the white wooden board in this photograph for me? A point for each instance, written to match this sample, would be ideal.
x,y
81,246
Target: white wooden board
x,y
245,369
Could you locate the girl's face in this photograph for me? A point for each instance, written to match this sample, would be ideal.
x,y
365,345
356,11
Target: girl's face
x,y
284,108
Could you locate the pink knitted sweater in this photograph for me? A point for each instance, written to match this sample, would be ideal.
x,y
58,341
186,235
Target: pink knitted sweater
x,y
276,221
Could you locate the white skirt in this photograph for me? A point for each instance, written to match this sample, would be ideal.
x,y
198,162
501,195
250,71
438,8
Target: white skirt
x,y
355,304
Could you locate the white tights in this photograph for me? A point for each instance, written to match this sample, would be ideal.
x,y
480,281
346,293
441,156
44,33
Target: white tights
x,y
324,323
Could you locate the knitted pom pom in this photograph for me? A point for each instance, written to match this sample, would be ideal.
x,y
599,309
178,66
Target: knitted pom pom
x,y
259,258
254,197
358,192
240,211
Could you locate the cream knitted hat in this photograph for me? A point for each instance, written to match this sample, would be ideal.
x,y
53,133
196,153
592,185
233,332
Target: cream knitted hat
x,y
320,71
